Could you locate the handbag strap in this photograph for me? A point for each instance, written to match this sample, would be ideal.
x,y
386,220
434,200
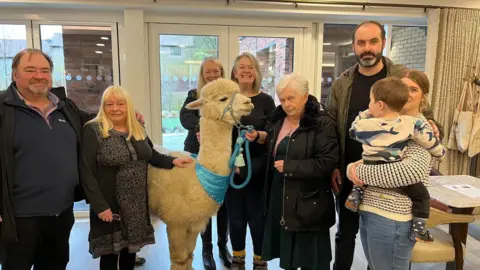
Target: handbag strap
x,y
462,97
469,102
476,106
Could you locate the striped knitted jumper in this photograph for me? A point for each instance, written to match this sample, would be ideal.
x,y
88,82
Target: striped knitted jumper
x,y
378,199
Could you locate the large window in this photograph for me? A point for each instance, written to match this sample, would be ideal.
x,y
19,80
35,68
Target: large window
x,y
13,38
82,57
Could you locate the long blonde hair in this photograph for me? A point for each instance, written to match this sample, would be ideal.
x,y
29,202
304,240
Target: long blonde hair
x,y
201,80
135,129
258,77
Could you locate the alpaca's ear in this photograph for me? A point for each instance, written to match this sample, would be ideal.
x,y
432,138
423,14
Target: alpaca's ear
x,y
195,105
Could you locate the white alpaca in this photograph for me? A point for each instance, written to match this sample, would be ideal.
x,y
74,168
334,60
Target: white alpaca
x,y
177,196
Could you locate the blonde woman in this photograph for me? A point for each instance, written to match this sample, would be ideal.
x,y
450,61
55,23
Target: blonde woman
x,y
210,70
245,206
116,152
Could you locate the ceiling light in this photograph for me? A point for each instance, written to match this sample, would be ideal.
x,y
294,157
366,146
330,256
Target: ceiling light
x,y
100,45
105,38
99,52
327,44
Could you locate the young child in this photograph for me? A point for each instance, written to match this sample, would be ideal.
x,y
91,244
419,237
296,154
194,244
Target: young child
x,y
384,134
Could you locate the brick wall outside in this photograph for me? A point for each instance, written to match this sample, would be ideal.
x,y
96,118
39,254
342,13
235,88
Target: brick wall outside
x,y
409,46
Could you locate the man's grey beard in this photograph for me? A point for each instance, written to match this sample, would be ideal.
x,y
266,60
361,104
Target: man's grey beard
x,y
38,91
369,63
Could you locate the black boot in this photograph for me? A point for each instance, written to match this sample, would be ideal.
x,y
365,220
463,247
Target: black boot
x,y
225,256
207,255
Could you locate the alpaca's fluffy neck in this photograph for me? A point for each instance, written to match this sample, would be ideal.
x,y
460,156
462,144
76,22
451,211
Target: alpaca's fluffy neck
x,y
215,145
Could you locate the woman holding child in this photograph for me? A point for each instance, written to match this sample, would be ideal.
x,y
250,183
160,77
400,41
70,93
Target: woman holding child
x,y
385,210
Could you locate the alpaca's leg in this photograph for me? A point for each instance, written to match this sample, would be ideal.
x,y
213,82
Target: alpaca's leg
x,y
191,243
177,240
192,236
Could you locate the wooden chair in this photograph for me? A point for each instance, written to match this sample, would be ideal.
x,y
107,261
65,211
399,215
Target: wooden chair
x,y
446,247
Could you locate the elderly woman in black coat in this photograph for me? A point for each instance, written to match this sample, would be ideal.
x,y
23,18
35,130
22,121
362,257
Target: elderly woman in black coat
x,y
303,151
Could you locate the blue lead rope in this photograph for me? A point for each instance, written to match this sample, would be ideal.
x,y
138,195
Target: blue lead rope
x,y
238,152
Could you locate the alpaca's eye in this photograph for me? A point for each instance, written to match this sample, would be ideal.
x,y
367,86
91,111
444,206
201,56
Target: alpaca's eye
x,y
223,99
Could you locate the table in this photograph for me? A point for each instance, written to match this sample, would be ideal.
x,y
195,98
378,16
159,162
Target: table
x,y
459,203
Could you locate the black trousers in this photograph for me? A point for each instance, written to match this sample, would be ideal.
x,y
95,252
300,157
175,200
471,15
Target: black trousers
x,y
245,208
347,228
122,261
42,243
420,197
222,230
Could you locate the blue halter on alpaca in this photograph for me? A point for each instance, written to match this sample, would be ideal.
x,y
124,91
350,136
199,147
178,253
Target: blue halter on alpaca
x,y
216,185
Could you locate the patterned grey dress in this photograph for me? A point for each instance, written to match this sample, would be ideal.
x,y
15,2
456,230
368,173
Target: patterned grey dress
x,y
115,177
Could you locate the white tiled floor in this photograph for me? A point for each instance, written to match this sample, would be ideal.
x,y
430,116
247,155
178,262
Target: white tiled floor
x,y
158,258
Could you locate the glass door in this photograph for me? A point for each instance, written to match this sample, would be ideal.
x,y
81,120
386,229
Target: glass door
x,y
176,54
278,51
177,50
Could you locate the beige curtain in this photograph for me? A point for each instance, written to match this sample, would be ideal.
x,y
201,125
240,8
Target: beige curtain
x,y
458,47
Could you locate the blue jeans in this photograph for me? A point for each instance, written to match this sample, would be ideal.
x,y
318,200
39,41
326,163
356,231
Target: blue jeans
x,y
386,243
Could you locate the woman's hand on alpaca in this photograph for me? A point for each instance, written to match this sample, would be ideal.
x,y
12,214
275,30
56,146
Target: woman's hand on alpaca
x,y
279,165
352,173
182,162
106,215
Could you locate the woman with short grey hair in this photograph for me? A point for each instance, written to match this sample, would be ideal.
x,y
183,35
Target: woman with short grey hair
x,y
302,153
296,81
